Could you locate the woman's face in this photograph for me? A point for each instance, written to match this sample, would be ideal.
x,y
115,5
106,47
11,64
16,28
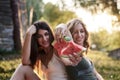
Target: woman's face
x,y
43,38
78,34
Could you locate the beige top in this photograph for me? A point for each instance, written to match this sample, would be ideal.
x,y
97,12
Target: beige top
x,y
55,70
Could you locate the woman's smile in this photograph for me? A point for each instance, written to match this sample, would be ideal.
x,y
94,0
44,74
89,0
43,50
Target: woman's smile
x,y
43,38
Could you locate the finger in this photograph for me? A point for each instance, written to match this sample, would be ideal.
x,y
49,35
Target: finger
x,y
57,37
72,58
34,28
78,57
75,55
58,30
57,34
66,61
31,29
75,60
73,63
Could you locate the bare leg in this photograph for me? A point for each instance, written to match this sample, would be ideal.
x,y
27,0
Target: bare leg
x,y
24,73
29,74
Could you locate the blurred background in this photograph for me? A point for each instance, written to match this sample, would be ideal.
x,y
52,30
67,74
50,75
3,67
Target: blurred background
x,y
102,19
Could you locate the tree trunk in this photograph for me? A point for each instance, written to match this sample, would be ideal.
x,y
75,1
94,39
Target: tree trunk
x,y
16,25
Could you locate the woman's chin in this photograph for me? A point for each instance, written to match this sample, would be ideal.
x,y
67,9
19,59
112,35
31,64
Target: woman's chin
x,y
45,45
80,43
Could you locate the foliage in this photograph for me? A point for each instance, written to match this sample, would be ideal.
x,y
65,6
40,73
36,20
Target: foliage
x,y
105,41
100,39
114,40
96,5
105,65
54,15
36,6
100,6
7,67
16,25
51,12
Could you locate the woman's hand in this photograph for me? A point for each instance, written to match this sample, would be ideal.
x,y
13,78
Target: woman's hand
x,y
59,34
75,59
72,60
31,30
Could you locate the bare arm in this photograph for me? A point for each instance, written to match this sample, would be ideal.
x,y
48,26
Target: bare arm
x,y
99,77
27,45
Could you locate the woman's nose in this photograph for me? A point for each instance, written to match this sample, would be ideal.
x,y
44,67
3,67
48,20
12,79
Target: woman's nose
x,y
44,38
79,34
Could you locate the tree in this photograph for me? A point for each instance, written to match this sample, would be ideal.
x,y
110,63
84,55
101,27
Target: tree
x,y
100,6
96,5
51,12
114,40
34,10
105,41
16,25
54,15
100,39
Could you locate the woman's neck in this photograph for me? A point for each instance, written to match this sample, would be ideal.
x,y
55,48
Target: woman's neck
x,y
47,50
45,59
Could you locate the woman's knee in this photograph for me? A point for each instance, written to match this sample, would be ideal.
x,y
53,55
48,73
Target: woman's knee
x,y
19,73
29,73
24,72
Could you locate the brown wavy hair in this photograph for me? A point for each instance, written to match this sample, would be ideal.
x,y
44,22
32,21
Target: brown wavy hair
x,y
75,22
36,52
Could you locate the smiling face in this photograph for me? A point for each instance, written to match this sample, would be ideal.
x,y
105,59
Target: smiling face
x,y
78,34
43,38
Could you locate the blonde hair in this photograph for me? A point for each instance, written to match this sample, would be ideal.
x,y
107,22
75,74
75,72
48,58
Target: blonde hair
x,y
74,22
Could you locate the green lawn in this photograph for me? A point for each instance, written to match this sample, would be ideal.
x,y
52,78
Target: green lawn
x,y
109,68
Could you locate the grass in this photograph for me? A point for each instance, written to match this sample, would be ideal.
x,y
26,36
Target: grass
x,y
109,68
7,67
8,63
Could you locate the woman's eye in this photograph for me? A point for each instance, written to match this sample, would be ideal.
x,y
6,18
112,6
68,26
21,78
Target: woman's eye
x,y
39,36
75,32
46,34
81,31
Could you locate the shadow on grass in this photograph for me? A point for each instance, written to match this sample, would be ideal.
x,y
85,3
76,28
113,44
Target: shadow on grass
x,y
6,74
9,55
9,60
